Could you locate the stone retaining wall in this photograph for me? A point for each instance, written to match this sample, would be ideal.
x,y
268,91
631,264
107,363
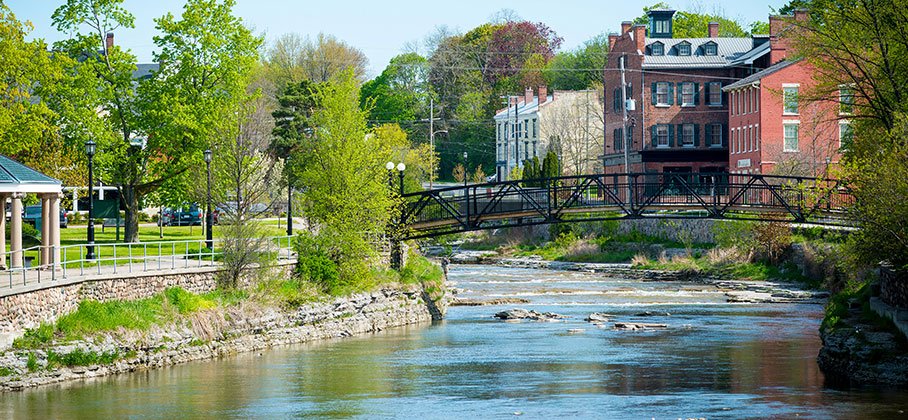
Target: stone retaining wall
x,y
240,329
894,287
30,309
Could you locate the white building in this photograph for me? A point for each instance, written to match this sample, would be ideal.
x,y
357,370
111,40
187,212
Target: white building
x,y
568,122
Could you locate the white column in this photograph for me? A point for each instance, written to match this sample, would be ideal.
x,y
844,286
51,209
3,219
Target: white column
x,y
15,231
3,231
55,228
45,229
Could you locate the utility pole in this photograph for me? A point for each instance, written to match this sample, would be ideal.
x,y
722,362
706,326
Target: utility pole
x,y
624,115
627,169
516,137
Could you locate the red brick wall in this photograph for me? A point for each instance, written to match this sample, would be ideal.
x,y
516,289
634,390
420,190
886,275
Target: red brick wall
x,y
818,136
630,44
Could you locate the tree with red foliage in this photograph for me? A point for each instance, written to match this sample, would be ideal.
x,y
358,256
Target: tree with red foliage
x,y
513,43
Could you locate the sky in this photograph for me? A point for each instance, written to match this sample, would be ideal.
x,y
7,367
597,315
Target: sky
x,y
382,28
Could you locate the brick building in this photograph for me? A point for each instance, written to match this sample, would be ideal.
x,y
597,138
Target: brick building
x,y
680,120
771,130
567,122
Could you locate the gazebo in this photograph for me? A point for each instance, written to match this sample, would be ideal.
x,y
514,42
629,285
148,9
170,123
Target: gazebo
x,y
17,180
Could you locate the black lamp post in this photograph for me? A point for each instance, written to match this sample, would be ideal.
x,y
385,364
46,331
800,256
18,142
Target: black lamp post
x,y
209,217
400,172
390,167
90,151
289,199
464,169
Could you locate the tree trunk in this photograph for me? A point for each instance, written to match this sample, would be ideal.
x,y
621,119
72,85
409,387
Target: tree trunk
x,y
130,199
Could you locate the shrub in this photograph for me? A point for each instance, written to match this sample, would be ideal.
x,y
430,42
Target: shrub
x,y
420,270
186,302
79,357
772,240
315,264
35,337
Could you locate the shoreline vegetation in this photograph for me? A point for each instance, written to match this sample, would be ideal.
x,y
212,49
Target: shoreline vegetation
x,y
114,336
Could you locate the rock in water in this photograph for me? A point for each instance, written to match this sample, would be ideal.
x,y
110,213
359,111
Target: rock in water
x,y
517,313
629,326
598,317
653,313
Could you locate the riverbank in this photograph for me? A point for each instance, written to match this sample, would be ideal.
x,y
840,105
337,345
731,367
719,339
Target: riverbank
x,y
210,333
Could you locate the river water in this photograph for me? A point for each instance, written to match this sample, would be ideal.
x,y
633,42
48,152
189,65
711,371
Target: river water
x,y
715,360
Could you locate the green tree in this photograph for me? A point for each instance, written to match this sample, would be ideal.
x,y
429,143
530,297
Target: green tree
x,y
401,92
346,193
580,68
860,47
29,127
292,59
293,122
153,130
551,167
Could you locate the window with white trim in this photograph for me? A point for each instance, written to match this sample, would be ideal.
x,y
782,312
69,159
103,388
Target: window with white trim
x,y
846,134
710,48
846,100
715,93
684,48
687,135
662,95
757,137
688,95
658,48
662,135
790,135
790,99
715,135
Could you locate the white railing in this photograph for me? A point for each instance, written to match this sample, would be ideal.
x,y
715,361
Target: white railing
x,y
117,258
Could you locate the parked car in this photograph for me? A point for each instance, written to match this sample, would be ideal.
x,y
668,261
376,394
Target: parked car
x,y
31,215
189,215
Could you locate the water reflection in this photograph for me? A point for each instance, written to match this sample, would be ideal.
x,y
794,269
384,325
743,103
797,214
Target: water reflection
x,y
714,360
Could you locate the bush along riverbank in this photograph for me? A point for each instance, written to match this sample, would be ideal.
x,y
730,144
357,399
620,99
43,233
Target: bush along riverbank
x,y
176,326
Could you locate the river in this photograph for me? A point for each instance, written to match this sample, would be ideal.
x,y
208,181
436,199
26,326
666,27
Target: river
x,y
715,360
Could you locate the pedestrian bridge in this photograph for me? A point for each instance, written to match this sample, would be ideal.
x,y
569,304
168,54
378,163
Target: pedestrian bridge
x,y
816,201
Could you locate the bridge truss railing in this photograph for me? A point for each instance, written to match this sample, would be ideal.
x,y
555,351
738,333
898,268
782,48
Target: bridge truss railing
x,y
639,195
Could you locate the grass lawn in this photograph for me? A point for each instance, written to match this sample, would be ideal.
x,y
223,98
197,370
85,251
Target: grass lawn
x,y
149,239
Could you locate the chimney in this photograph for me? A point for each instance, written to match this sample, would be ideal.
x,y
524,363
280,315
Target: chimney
x,y
528,95
640,37
713,29
626,26
109,41
611,41
543,94
800,15
780,37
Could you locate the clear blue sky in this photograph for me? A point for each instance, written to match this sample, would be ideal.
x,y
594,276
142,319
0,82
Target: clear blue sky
x,y
381,28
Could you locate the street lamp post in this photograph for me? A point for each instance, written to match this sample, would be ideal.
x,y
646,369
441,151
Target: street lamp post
x,y
390,167
90,151
289,198
464,169
400,172
209,218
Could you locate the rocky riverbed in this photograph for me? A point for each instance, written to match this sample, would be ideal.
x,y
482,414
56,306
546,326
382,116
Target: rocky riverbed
x,y
210,334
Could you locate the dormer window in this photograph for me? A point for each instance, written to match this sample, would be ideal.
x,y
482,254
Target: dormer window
x,y
684,48
710,48
658,48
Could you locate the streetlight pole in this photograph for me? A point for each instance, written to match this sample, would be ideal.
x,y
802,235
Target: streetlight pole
x,y
400,172
209,218
390,167
90,151
289,198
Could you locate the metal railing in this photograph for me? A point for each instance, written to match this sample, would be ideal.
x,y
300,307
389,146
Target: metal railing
x,y
636,195
125,258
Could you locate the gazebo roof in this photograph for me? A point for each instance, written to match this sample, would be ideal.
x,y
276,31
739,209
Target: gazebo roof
x,y
16,177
